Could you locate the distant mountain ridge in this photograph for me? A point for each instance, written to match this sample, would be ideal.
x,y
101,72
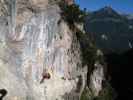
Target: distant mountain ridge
x,y
106,12
110,30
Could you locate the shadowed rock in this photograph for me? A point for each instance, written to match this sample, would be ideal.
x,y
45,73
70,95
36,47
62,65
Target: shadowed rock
x,y
3,93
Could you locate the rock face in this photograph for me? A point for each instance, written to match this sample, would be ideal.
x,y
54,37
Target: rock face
x,y
33,44
38,44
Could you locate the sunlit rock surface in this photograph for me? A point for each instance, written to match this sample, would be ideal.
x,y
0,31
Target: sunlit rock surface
x,y
33,42
39,43
96,79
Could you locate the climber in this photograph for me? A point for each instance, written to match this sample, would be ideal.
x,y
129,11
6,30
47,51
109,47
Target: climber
x,y
45,75
3,93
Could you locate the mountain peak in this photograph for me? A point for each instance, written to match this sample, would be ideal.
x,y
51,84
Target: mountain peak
x,y
108,10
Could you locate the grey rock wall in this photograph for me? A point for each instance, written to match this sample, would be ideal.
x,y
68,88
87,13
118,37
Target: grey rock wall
x,y
38,44
32,44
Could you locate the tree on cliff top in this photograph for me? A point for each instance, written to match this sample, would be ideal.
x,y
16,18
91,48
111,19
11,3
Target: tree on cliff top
x,y
71,13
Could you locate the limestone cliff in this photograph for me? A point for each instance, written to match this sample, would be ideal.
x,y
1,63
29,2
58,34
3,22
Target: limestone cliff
x,y
33,43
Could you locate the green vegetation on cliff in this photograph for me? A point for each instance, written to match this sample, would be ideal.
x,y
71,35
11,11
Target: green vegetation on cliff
x,y
71,13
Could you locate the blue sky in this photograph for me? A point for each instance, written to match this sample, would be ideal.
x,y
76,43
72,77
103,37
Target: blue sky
x,y
122,6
